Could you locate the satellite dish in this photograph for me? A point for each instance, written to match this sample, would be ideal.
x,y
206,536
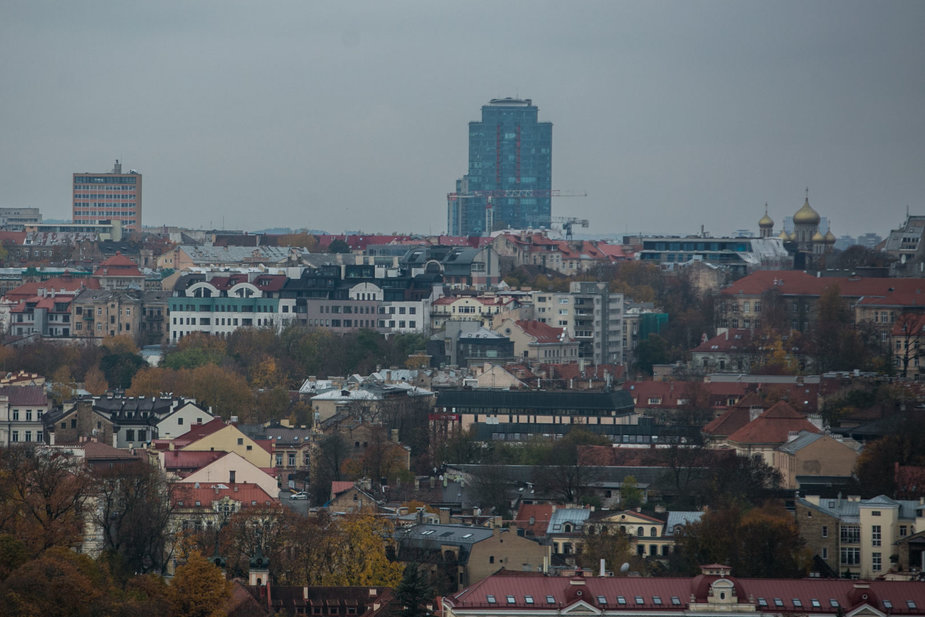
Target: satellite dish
x,y
625,567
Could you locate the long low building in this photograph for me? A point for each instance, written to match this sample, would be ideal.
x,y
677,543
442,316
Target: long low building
x,y
463,408
713,592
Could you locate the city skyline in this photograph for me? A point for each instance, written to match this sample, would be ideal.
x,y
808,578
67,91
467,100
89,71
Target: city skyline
x,y
354,116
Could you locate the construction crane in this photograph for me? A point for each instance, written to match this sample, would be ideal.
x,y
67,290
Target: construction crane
x,y
567,222
517,194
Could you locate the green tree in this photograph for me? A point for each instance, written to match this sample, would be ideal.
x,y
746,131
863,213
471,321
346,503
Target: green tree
x,y
414,592
630,493
338,246
199,589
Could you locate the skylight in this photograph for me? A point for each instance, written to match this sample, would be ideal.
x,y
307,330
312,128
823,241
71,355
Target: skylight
x,y
621,600
657,600
762,602
639,600
602,600
778,602
528,599
550,600
675,600
491,599
815,603
797,602
511,600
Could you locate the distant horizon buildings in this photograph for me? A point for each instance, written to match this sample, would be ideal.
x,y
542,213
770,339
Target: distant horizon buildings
x,y
108,196
509,180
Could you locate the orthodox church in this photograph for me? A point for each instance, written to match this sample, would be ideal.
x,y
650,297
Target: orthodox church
x,y
807,244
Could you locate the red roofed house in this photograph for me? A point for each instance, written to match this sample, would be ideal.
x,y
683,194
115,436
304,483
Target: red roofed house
x,y
535,341
208,505
772,429
119,272
233,469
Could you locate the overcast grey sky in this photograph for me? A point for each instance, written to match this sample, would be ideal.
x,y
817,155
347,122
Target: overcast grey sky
x,y
353,115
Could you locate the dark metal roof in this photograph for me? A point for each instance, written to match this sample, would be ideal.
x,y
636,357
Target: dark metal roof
x,y
619,400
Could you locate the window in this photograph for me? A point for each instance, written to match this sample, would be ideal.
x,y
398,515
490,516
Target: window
x,y
602,600
850,556
875,513
797,603
778,602
888,603
639,600
621,600
762,603
850,534
14,436
876,535
902,531
675,601
528,599
491,599
511,600
550,600
825,531
657,600
815,603
877,561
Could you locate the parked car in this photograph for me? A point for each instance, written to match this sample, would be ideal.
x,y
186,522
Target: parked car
x,y
299,495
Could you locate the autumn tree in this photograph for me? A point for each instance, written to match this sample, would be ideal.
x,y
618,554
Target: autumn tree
x,y
43,496
759,542
362,560
95,382
199,589
613,546
263,529
59,582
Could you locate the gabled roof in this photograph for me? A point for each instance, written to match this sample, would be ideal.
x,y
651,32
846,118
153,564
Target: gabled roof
x,y
179,461
542,333
774,425
118,265
728,423
61,285
198,432
533,518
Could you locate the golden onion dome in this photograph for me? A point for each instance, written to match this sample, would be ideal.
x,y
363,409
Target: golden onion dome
x,y
765,222
806,215
818,237
784,236
829,237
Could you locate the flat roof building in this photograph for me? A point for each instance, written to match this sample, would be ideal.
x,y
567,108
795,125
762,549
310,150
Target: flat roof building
x,y
108,196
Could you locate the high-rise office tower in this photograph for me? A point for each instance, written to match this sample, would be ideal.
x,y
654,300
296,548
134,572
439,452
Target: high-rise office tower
x,y
108,196
510,172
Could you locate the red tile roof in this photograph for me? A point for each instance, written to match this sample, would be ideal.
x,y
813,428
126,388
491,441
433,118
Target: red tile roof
x,y
198,432
534,518
209,492
339,486
118,265
795,282
657,594
773,426
185,462
61,285
728,423
541,332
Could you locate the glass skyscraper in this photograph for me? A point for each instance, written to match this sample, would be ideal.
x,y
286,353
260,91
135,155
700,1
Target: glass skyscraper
x,y
510,172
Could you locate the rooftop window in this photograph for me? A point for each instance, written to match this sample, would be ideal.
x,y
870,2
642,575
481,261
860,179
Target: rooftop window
x,y
491,599
621,600
601,600
675,600
550,600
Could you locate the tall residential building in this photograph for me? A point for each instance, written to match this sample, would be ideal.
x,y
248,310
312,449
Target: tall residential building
x,y
108,196
510,172
591,315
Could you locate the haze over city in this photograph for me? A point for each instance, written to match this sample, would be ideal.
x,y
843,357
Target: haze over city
x,y
353,116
